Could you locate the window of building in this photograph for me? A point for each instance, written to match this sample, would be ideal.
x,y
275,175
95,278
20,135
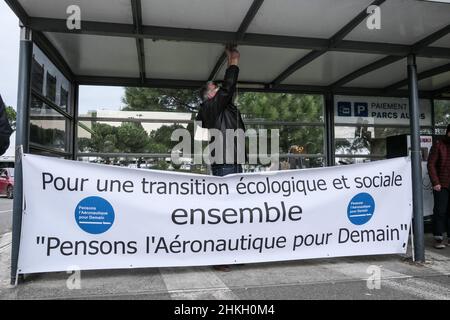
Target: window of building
x,y
141,120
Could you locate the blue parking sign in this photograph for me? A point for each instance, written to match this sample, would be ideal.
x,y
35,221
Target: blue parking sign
x,y
344,109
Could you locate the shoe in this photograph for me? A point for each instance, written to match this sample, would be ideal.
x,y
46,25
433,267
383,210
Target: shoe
x,y
439,244
223,268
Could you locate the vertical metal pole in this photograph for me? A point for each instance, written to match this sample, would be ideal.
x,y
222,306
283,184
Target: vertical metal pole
x,y
416,161
433,119
22,124
329,128
433,114
74,130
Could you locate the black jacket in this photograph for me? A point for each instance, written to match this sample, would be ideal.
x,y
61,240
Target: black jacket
x,y
220,112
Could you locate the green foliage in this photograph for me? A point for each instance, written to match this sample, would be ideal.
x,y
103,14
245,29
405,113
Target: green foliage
x,y
153,99
11,115
281,106
253,105
442,112
162,137
104,138
266,107
131,137
290,108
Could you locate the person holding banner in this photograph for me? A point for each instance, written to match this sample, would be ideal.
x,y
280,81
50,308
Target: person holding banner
x,y
439,172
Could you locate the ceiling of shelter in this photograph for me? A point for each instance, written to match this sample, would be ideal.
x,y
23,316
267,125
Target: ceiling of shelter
x,y
292,44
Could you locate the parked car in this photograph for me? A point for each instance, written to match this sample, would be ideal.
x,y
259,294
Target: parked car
x,y
7,182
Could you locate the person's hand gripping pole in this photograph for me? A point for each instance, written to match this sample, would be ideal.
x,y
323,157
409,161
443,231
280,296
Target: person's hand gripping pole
x,y
232,54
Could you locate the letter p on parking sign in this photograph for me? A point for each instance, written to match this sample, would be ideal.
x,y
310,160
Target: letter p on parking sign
x,y
361,109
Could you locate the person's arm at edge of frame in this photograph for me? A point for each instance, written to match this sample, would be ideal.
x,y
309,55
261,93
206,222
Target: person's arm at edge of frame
x,y
431,166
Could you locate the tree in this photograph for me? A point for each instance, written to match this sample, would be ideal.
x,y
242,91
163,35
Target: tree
x,y
162,136
287,107
281,106
153,99
442,112
11,115
103,139
255,106
131,138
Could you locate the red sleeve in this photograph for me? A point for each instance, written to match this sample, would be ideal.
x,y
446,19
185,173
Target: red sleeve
x,y
432,162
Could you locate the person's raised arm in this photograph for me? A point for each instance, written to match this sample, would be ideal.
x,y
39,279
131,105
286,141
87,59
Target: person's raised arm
x,y
231,75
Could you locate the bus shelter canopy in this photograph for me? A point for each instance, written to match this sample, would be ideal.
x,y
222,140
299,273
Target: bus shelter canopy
x,y
285,45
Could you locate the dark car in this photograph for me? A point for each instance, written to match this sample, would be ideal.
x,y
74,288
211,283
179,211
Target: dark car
x,y
7,182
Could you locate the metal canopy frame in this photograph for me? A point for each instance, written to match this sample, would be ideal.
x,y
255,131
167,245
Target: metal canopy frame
x,y
333,42
136,8
318,46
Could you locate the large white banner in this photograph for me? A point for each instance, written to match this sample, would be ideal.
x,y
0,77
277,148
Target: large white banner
x,y
89,216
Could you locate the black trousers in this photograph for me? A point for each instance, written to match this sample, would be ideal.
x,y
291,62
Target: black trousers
x,y
441,212
222,170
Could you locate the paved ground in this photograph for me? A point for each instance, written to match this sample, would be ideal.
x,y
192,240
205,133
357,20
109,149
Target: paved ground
x,y
5,214
338,278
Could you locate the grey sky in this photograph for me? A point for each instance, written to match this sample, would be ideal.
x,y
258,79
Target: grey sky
x,y
9,54
91,98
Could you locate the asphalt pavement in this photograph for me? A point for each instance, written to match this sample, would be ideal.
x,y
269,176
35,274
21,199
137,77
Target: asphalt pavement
x,y
337,278
5,215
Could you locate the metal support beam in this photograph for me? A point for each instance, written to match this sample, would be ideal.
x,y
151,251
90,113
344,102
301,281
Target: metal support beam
x,y
217,66
439,92
221,37
425,42
296,66
416,161
136,8
416,48
423,75
329,129
333,42
18,10
243,86
53,54
251,13
75,106
41,41
364,70
136,82
345,30
433,117
22,142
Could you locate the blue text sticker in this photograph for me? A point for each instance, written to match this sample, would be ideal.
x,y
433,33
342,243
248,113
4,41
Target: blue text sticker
x,y
94,215
361,208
